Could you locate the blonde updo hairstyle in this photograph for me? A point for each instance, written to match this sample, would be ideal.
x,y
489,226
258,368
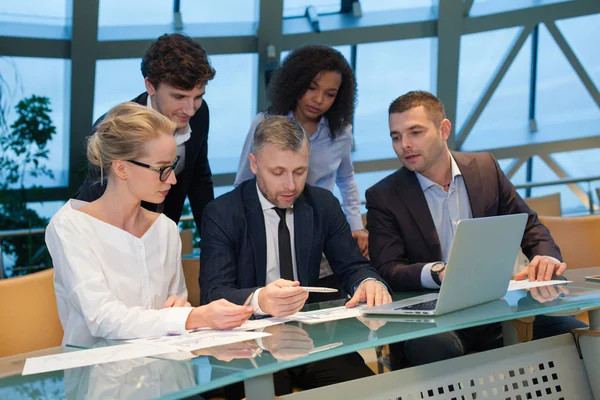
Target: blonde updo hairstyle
x,y
123,132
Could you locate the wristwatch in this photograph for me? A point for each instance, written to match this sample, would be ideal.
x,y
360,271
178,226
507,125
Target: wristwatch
x,y
436,270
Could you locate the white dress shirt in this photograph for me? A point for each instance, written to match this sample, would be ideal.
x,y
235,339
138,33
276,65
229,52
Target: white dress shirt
x,y
446,208
111,284
272,229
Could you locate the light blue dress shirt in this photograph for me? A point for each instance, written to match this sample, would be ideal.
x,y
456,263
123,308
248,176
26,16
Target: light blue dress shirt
x,y
446,208
330,163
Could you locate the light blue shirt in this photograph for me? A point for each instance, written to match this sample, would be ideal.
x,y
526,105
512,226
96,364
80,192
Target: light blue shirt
x,y
330,163
446,208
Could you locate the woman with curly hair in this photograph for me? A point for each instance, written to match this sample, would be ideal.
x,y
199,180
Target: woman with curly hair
x,y
315,86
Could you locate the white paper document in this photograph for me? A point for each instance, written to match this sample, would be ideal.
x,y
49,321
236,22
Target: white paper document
x,y
251,324
525,284
326,315
200,339
82,358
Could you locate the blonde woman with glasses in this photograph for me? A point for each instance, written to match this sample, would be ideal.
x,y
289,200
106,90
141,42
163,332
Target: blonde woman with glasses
x,y
118,272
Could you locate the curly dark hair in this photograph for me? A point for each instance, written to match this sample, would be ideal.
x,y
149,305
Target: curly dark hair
x,y
293,78
177,60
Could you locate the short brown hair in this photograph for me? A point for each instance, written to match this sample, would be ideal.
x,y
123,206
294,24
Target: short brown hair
x,y
281,131
177,60
416,98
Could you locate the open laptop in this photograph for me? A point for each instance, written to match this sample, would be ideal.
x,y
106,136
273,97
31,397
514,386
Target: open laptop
x,y
479,268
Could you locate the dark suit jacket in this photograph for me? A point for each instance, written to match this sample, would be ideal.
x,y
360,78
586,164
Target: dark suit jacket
x,y
402,235
233,254
195,181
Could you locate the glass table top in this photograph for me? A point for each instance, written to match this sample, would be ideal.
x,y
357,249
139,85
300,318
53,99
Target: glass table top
x,y
290,345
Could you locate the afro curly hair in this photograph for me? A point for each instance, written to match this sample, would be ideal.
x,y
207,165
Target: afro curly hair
x,y
299,69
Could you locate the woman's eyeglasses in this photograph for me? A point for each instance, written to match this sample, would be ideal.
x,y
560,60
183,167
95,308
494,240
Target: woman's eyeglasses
x,y
164,172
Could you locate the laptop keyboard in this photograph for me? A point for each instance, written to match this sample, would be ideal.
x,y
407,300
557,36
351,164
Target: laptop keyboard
x,y
426,306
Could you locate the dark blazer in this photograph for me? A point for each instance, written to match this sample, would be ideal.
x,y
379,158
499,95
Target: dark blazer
x,y
233,254
402,235
195,181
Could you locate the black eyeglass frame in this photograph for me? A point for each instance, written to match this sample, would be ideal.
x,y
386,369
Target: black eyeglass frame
x,y
160,170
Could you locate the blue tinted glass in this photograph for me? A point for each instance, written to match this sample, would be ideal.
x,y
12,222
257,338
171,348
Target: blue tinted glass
x,y
297,8
572,202
564,107
22,80
577,164
160,12
382,76
483,7
504,121
231,98
384,5
48,12
117,81
578,32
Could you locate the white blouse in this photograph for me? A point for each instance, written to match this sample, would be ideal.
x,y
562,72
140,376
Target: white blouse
x,y
110,284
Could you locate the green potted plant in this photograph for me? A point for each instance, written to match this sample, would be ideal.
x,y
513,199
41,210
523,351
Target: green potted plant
x,y
23,148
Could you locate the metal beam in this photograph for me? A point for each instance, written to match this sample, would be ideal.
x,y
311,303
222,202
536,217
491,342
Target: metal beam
x,y
269,37
522,152
493,85
514,166
574,61
82,80
467,5
29,47
352,34
581,195
446,58
558,146
526,16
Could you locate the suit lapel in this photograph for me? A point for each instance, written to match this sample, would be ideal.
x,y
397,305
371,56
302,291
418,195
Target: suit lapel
x,y
256,226
410,190
472,178
303,236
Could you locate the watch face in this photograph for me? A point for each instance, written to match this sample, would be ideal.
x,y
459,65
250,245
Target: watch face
x,y
438,267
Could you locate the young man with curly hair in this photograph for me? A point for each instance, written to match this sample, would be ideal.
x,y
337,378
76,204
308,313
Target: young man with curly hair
x,y
175,70
316,87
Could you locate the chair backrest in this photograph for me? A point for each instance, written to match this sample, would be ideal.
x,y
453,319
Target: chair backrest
x,y
191,272
548,205
577,237
187,241
28,314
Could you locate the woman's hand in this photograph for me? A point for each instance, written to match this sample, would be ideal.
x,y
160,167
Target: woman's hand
x,y
220,314
176,301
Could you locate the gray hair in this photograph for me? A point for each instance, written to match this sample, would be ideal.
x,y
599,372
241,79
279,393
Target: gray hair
x,y
281,131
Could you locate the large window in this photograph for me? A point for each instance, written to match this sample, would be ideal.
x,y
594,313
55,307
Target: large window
x,y
22,79
504,120
385,71
47,12
564,107
231,97
160,12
